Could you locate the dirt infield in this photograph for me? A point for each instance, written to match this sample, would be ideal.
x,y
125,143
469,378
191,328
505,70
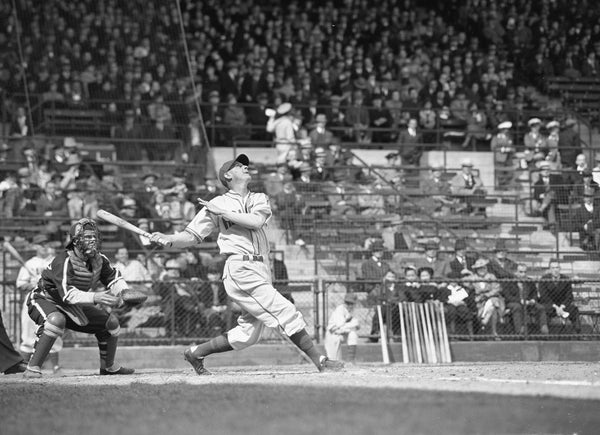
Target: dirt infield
x,y
454,398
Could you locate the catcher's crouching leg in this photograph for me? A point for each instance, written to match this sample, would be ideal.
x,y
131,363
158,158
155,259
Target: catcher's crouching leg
x,y
54,327
107,344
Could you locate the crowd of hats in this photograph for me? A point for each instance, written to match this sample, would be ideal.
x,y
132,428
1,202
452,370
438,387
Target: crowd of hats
x,y
135,47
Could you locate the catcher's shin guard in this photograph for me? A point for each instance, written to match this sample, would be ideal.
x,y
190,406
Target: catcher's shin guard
x,y
54,327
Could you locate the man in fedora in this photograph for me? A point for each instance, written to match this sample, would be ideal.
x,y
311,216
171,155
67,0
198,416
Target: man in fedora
x,y
467,185
319,136
461,260
586,220
342,325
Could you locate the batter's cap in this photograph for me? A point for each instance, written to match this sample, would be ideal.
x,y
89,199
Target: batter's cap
x,y
242,158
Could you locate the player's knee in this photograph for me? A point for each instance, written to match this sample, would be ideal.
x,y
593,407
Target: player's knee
x,y
112,326
55,323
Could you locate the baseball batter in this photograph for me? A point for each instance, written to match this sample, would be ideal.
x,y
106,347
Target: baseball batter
x,y
240,216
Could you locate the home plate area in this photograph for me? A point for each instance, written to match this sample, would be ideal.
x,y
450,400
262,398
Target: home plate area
x,y
294,399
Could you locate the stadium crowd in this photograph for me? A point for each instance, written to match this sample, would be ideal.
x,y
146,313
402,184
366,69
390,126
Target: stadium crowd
x,y
309,76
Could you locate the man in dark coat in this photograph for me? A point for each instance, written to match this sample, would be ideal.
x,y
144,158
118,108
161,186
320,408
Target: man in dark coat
x,y
556,293
569,143
522,300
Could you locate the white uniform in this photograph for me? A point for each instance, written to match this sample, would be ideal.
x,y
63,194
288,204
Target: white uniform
x,y
28,326
247,275
341,325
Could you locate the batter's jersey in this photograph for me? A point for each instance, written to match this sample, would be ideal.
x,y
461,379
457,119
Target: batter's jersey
x,y
233,238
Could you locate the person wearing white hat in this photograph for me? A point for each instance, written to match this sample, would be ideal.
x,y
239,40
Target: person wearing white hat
x,y
503,149
466,186
282,125
488,296
536,147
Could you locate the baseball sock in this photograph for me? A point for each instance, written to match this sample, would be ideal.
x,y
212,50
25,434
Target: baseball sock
x,y
305,343
216,345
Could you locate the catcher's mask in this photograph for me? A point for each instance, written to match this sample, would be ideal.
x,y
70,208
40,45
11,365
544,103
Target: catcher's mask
x,y
85,237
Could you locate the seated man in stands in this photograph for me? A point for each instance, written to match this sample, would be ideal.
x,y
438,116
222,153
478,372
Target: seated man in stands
x,y
437,193
545,194
461,262
467,187
586,220
556,293
433,260
522,302
488,296
587,184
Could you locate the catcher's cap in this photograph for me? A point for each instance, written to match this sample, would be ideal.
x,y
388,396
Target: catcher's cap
x,y
350,298
242,158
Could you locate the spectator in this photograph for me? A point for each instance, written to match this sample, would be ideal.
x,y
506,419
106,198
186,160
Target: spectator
x,y
130,148
380,119
163,145
586,220
342,326
234,119
522,302
159,110
428,122
536,147
433,260
556,293
585,184
281,124
500,265
553,128
467,187
437,193
461,263
228,81
320,136
488,297
257,118
569,145
545,194
51,205
458,308
279,274
213,118
213,302
409,143
476,126
388,300
358,119
310,112
20,126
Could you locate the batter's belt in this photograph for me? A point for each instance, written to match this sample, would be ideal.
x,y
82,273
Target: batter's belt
x,y
246,257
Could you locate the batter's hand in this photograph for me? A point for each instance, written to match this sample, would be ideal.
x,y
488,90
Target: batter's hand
x,y
159,238
105,298
210,207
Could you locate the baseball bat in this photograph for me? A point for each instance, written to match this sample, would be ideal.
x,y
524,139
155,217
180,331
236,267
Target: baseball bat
x,y
403,332
383,334
15,254
122,223
445,335
430,333
413,309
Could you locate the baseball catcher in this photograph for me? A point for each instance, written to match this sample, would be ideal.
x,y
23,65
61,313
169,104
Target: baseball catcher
x,y
64,298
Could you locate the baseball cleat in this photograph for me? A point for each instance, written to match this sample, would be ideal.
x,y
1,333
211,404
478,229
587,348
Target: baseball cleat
x,y
329,365
196,363
32,373
121,371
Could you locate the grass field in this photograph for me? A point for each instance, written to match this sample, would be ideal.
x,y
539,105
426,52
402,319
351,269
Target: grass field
x,y
370,399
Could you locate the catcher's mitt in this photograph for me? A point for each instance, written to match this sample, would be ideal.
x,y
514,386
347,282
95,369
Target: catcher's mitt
x,y
133,297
